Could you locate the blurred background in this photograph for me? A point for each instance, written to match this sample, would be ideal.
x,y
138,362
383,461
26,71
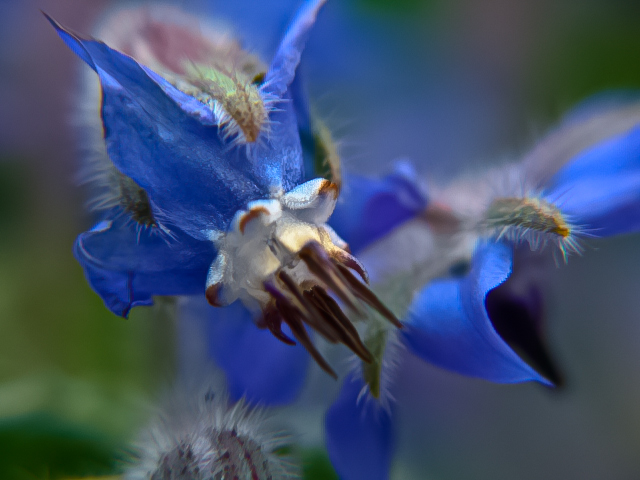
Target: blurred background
x,y
451,84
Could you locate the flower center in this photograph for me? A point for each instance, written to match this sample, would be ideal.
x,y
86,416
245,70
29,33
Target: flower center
x,y
281,259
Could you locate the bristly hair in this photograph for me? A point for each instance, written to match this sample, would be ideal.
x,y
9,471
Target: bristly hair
x,y
379,376
109,187
202,436
237,97
519,212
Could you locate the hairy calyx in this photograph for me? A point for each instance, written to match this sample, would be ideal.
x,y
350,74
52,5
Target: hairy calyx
x,y
535,220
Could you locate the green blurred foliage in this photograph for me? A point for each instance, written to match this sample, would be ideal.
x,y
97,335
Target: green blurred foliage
x,y
396,6
13,196
582,51
74,378
316,465
42,446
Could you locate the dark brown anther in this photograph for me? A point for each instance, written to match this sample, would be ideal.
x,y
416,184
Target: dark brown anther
x,y
328,327
310,313
332,306
273,321
366,295
315,307
275,293
295,290
212,293
293,318
342,326
324,269
349,261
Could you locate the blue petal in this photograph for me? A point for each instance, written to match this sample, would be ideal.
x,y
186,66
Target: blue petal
x,y
127,266
516,309
300,106
285,62
448,324
370,208
258,366
600,189
591,122
154,135
359,435
101,58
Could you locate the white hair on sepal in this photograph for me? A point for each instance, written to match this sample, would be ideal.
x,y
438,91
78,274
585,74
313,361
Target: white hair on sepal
x,y
241,131
509,207
538,220
199,434
97,171
379,376
237,96
109,188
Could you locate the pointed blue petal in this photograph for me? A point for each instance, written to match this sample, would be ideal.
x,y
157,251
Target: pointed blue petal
x,y
370,208
72,41
600,189
290,124
300,106
258,366
285,62
160,138
126,267
359,435
87,49
448,324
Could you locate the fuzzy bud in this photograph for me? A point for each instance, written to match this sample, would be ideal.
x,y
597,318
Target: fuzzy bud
x,y
205,437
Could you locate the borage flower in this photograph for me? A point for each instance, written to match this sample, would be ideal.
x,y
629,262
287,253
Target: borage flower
x,y
484,322
205,182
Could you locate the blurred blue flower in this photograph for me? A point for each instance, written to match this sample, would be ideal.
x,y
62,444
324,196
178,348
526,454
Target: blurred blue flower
x,y
447,325
470,324
258,366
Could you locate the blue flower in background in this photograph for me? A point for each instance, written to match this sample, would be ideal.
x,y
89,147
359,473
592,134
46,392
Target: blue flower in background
x,y
206,189
447,325
471,323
